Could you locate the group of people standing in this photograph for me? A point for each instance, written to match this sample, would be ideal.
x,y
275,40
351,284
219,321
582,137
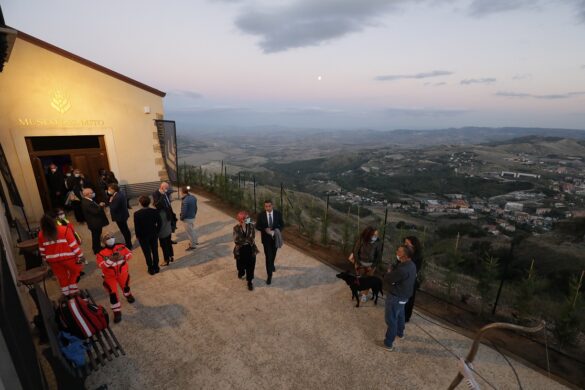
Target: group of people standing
x,y
402,279
60,245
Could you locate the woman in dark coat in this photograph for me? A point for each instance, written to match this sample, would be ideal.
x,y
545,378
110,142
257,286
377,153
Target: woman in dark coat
x,y
414,244
119,212
367,254
245,249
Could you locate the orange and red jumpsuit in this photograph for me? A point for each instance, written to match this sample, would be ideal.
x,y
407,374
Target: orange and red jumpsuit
x,y
114,265
63,256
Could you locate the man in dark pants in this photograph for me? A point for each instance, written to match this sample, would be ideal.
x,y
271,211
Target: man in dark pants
x,y
268,222
161,201
56,183
119,212
147,223
95,217
400,283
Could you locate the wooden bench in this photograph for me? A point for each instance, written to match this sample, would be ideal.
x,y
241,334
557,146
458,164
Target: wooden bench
x,y
103,346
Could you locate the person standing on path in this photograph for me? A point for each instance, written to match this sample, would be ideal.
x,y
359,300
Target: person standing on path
x,y
400,282
95,217
119,212
245,249
188,213
147,224
270,224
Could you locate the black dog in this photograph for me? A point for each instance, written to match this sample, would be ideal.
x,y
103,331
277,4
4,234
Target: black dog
x,y
360,284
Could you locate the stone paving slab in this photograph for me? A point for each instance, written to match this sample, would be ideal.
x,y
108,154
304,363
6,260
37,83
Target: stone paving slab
x,y
196,326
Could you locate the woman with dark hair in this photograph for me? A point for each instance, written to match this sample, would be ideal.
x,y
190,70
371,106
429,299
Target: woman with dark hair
x,y
119,212
367,254
414,244
245,249
59,248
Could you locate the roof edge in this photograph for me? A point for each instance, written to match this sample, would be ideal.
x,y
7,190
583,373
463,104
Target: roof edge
x,y
45,45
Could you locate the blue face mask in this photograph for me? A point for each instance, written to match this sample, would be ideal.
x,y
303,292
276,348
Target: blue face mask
x,y
248,220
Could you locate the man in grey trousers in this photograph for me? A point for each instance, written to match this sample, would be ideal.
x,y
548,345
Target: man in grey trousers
x,y
188,213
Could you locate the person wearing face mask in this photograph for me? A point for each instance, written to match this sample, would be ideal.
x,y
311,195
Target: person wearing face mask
x,y
245,249
95,217
75,185
162,203
56,183
112,260
400,285
119,212
188,213
367,254
414,244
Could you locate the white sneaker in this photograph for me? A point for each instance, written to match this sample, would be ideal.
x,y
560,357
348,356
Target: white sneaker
x,y
364,298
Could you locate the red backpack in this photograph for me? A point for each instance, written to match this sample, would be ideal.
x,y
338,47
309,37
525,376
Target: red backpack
x,y
81,318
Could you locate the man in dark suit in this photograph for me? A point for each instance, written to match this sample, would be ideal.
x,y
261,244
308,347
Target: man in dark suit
x,y
161,201
56,183
119,212
147,223
268,222
95,217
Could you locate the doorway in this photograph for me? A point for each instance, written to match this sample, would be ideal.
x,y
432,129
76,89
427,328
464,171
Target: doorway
x,y
86,153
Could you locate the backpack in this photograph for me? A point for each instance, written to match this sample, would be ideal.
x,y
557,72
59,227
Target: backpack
x,y
81,318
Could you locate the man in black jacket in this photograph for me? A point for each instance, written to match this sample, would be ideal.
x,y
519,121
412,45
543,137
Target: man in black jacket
x,y
400,284
119,212
147,223
56,183
95,217
268,222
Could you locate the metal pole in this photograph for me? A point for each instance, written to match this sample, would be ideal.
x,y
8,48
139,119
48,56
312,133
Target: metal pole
x,y
239,179
25,220
177,167
255,208
504,275
281,197
384,233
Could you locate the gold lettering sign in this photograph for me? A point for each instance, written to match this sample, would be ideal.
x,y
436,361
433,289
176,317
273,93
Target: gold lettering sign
x,y
59,123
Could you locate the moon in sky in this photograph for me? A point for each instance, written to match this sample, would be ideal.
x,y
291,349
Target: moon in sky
x,y
319,78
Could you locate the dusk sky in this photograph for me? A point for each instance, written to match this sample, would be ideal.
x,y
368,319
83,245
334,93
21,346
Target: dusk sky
x,y
337,64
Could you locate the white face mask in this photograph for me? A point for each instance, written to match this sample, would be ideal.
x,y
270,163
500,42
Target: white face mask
x,y
110,192
53,170
248,220
76,175
92,195
61,216
68,174
374,238
397,257
110,241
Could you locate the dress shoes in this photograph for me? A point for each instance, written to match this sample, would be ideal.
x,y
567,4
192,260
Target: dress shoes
x,y
250,286
269,280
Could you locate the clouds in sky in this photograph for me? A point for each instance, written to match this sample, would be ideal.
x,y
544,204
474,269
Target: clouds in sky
x,y
485,80
423,75
556,96
310,23
424,112
480,8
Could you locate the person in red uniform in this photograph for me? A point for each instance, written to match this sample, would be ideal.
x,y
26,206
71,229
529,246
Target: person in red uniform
x,y
113,261
59,248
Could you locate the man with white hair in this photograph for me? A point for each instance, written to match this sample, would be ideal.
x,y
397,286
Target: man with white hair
x,y
95,217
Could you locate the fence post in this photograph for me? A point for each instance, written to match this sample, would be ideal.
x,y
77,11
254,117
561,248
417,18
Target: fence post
x,y
281,197
384,233
255,207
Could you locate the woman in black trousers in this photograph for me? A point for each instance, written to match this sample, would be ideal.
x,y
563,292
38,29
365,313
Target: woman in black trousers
x,y
245,249
414,244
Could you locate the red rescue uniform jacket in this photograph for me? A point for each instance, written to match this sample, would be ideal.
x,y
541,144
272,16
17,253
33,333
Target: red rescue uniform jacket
x,y
64,247
113,260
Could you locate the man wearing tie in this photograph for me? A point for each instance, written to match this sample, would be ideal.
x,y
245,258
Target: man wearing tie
x,y
269,223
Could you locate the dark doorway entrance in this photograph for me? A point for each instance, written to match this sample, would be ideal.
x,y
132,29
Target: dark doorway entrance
x,y
86,153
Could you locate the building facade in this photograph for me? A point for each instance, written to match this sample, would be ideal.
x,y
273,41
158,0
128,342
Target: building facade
x,y
57,107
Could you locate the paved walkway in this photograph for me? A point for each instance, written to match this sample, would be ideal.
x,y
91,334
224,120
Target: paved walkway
x,y
196,326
